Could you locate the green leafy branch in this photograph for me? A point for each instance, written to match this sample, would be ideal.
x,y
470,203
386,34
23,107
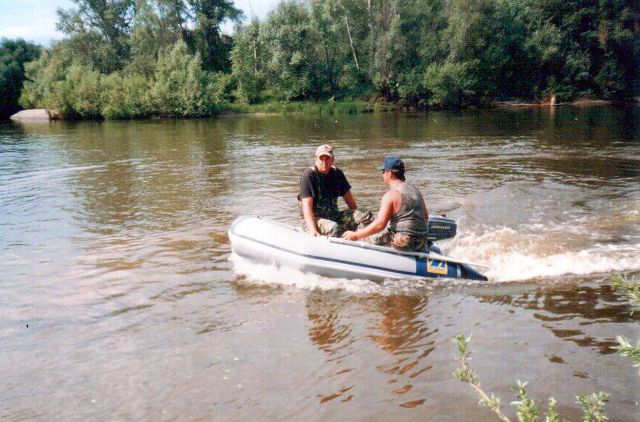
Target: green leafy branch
x,y
527,409
631,289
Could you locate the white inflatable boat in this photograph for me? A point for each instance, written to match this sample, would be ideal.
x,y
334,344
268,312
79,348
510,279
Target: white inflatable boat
x,y
270,242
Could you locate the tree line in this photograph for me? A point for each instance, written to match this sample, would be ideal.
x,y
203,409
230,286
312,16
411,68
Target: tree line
x,y
143,58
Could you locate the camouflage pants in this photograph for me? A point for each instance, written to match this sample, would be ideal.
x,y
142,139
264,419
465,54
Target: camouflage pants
x,y
401,241
408,242
348,220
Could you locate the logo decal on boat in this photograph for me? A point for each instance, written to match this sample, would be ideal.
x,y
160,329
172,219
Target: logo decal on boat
x,y
437,267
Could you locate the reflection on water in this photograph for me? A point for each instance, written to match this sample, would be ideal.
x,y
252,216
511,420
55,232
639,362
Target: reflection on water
x,y
565,311
118,300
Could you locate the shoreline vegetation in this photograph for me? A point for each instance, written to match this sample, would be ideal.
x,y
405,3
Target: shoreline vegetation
x,y
322,108
138,59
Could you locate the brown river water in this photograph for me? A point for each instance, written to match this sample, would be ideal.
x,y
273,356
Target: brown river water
x,y
120,298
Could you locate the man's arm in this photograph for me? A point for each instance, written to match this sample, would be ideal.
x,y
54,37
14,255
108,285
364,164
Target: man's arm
x,y
424,206
350,200
381,221
309,217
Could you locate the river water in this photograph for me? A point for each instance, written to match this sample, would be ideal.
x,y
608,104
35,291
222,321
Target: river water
x,y
120,300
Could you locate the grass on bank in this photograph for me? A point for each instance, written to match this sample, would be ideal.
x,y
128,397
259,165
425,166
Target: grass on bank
x,y
323,108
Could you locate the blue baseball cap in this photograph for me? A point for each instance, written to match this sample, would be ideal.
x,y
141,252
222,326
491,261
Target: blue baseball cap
x,y
393,163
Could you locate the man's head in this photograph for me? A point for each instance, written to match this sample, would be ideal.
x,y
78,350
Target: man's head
x,y
324,158
394,167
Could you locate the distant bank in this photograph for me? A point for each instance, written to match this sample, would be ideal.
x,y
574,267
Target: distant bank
x,y
323,108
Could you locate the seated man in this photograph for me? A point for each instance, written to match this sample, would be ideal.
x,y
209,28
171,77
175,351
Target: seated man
x,y
320,187
402,207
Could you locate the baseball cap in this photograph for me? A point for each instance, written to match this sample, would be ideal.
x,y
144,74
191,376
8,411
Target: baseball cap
x,y
324,150
392,163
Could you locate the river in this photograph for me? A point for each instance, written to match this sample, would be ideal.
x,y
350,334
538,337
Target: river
x,y
120,300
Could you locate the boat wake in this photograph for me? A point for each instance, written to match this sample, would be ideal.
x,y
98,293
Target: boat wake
x,y
586,247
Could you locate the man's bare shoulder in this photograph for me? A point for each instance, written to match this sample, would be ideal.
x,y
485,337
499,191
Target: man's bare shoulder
x,y
391,195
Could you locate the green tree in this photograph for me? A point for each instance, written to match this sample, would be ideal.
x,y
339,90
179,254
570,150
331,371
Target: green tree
x,y
13,55
208,15
99,30
181,88
291,68
248,61
155,28
43,78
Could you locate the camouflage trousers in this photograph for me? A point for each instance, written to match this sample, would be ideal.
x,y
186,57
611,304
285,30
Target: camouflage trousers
x,y
408,242
348,220
401,241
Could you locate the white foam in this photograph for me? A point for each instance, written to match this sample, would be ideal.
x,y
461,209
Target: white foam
x,y
514,256
286,277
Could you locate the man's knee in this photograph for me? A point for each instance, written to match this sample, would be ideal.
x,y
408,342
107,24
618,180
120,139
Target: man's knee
x,y
362,216
355,219
328,227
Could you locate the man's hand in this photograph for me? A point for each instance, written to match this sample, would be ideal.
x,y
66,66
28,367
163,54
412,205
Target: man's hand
x,y
349,235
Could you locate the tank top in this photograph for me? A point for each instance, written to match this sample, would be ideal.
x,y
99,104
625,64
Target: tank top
x,y
410,217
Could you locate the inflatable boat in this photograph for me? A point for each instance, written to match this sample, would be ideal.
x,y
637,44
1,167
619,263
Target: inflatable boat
x,y
271,242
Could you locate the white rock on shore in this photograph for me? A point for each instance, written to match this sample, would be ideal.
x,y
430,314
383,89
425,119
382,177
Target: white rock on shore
x,y
37,114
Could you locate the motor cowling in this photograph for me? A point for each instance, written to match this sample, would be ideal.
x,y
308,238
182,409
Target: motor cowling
x,y
441,228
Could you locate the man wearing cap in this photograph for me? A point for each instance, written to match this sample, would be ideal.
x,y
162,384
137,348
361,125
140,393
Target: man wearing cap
x,y
402,207
320,187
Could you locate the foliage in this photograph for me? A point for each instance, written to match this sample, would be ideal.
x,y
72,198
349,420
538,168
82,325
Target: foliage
x,y
326,108
181,88
415,53
100,30
449,84
526,408
42,87
110,35
126,96
631,289
291,66
466,374
13,55
247,59
593,407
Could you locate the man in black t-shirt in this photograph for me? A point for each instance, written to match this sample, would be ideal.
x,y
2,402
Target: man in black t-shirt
x,y
320,187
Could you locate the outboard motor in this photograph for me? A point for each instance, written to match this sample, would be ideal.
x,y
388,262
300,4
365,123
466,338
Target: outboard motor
x,y
441,228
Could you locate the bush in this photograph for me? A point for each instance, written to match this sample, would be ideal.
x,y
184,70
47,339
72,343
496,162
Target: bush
x,y
126,96
181,88
449,84
81,92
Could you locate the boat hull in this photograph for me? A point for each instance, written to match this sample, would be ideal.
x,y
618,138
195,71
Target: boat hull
x,y
269,242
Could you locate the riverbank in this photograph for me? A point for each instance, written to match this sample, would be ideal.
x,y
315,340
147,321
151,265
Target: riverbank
x,y
322,108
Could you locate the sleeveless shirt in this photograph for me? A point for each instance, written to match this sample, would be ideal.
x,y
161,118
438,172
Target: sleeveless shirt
x,y
410,217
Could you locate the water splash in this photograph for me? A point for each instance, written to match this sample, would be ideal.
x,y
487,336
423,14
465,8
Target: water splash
x,y
582,246
272,275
